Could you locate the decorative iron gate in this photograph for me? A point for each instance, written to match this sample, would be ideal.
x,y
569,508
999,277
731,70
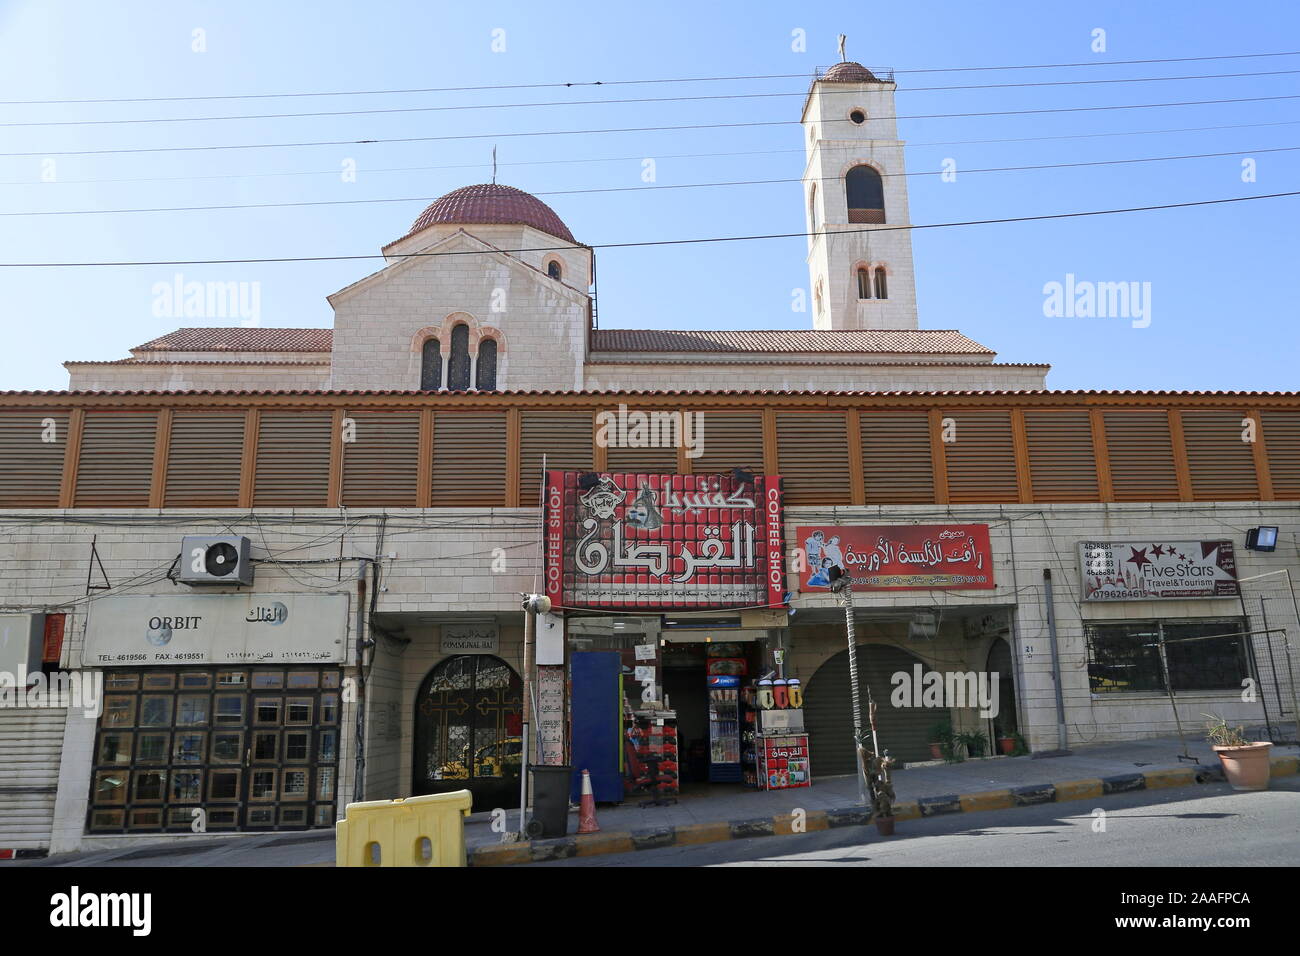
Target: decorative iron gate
x,y
468,719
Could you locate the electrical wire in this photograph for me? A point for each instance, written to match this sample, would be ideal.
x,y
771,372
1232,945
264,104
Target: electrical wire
x,y
634,129
688,79
622,159
641,188
463,107
656,242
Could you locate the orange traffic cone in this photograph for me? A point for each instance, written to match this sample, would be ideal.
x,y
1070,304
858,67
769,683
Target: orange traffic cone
x,y
587,811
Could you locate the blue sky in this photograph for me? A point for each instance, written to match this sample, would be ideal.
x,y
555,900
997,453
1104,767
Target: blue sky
x,y
1222,278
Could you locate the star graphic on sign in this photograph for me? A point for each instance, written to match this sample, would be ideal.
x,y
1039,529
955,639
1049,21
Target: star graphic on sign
x,y
1157,551
1138,557
1182,557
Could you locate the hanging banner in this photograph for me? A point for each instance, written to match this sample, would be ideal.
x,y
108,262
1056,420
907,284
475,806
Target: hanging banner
x,y
657,542
898,557
1156,570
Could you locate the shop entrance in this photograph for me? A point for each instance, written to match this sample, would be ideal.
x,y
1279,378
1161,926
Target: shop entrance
x,y
710,717
468,724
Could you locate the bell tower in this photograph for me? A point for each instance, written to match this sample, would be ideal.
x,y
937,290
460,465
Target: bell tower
x,y
860,269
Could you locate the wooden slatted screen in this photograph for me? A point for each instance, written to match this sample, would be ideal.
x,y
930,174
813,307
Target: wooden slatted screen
x,y
1141,455
204,458
1281,437
896,461
729,440
32,448
635,455
1222,466
293,459
381,463
116,465
1062,464
469,459
812,449
982,459
564,438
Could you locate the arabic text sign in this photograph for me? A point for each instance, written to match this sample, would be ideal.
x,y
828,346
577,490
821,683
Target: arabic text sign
x,y
148,629
655,542
1157,569
478,637
898,557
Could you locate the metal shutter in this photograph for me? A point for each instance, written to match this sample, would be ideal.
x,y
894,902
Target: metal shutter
x,y
1062,463
812,448
1222,466
293,459
33,469
661,460
1282,443
469,459
115,467
828,710
897,467
31,741
565,439
729,440
1141,455
982,460
203,459
381,464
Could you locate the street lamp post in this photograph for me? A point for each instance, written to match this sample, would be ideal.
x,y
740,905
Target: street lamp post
x,y
842,585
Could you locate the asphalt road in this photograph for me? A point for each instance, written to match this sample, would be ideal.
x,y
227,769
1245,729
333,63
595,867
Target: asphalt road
x,y
1210,825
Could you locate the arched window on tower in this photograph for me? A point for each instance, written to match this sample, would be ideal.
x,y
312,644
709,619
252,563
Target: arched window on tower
x,y
485,370
882,289
458,364
866,195
812,209
864,283
555,270
431,366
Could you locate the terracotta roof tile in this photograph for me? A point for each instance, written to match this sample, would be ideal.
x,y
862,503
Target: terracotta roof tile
x,y
848,72
492,203
796,340
241,340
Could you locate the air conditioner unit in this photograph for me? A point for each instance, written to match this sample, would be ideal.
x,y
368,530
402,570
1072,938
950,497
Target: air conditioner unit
x,y
215,560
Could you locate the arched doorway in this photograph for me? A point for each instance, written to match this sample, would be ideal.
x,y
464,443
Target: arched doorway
x,y
467,731
999,662
828,710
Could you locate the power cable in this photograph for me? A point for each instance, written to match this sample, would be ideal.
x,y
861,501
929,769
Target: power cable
x,y
641,188
684,79
654,242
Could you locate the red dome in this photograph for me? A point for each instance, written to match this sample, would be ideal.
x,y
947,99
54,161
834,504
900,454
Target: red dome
x,y
493,203
848,72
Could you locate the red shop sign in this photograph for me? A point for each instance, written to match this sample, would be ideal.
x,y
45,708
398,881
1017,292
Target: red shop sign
x,y
658,542
898,557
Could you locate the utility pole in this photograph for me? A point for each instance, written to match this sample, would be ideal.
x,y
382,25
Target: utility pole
x,y
842,585
534,604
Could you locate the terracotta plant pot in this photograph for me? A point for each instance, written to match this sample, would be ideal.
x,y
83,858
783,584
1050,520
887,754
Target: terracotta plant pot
x,y
1006,744
885,826
1246,767
936,751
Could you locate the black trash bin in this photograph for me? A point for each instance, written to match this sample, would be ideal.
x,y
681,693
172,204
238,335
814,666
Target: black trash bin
x,y
550,801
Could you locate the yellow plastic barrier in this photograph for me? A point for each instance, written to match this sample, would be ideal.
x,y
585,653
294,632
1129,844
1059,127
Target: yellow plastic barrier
x,y
416,831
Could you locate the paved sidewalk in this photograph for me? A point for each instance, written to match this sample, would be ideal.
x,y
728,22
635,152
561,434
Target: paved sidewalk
x,y
711,804
729,812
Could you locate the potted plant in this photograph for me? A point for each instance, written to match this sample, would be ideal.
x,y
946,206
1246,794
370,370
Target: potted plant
x,y
974,742
1245,763
941,741
1006,742
1021,747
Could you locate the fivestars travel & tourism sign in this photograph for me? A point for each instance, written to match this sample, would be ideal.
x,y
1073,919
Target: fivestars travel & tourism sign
x,y
1157,570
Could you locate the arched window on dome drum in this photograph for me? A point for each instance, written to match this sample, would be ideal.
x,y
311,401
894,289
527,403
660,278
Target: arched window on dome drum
x,y
864,284
554,269
458,364
866,195
431,366
485,369
882,290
